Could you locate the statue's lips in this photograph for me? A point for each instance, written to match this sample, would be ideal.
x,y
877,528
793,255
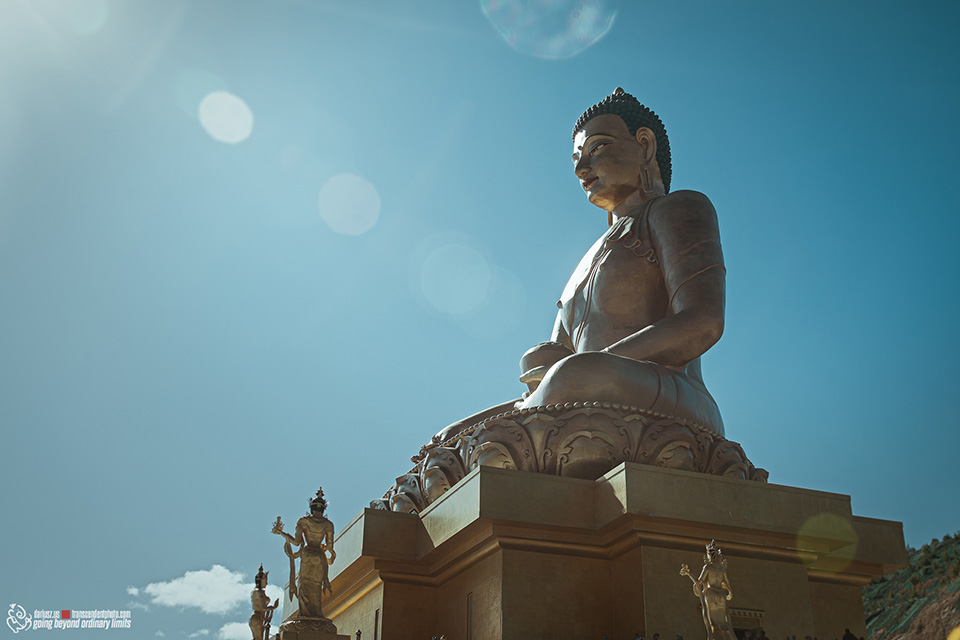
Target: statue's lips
x,y
587,183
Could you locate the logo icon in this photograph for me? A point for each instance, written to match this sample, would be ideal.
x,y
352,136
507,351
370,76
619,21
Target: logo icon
x,y
17,618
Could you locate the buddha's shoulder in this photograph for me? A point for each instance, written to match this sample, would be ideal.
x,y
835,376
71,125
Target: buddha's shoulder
x,y
683,198
681,194
685,203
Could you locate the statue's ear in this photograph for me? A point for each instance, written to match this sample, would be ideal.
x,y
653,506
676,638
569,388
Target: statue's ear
x,y
648,142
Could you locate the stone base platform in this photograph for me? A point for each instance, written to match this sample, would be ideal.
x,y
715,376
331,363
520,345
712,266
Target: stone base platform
x,y
575,440
513,555
309,629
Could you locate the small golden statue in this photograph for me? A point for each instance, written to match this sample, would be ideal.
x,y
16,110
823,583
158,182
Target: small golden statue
x,y
713,589
262,609
314,536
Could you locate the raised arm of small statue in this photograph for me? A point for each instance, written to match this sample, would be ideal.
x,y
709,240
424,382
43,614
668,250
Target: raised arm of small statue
x,y
278,529
685,571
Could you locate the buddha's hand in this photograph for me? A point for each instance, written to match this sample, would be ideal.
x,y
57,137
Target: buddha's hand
x,y
537,361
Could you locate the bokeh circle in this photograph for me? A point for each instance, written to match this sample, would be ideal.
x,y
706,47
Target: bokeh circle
x,y
226,117
349,204
550,29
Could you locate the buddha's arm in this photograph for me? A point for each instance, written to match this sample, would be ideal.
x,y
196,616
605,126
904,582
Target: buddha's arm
x,y
559,333
686,240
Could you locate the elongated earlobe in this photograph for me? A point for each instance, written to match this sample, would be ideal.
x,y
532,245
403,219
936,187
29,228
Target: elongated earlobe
x,y
646,184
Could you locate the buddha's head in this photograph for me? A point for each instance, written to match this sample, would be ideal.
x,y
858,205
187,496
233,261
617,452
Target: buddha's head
x,y
620,147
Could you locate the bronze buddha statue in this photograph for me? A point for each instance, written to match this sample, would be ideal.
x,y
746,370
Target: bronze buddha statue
x,y
645,302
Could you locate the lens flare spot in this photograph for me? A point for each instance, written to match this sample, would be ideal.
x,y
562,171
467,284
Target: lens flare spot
x,y
226,117
455,279
550,29
349,204
503,309
832,538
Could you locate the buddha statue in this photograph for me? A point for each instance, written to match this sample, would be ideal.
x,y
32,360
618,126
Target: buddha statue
x,y
647,300
642,306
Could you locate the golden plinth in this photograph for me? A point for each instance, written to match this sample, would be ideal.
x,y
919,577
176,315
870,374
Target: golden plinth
x,y
513,555
309,629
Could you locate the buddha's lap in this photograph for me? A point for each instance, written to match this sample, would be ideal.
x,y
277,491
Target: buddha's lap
x,y
604,377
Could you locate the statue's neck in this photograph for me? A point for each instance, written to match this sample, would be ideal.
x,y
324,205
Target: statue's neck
x,y
630,205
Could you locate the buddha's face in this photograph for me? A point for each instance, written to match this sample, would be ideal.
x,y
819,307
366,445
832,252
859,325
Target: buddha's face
x,y
608,159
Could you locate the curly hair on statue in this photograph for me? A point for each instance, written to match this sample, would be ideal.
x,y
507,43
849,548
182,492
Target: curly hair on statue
x,y
634,115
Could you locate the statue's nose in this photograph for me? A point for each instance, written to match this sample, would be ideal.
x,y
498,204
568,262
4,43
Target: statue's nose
x,y
582,167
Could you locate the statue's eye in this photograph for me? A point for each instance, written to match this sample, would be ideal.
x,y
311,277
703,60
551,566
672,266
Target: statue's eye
x,y
597,147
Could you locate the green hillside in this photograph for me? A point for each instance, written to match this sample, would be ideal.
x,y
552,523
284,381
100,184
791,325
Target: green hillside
x,y
920,601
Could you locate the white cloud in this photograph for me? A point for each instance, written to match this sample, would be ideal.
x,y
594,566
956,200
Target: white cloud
x,y
133,591
160,634
216,590
274,593
201,632
133,604
234,631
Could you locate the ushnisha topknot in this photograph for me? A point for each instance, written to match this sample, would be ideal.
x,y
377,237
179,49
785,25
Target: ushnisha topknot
x,y
634,115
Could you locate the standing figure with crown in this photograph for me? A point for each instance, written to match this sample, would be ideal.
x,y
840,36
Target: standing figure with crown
x,y
262,609
713,589
314,536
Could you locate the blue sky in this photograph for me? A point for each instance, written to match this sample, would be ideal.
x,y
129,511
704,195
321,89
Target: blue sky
x,y
190,343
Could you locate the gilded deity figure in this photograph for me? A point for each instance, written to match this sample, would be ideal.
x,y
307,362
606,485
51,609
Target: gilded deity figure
x,y
314,536
262,609
713,589
647,299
